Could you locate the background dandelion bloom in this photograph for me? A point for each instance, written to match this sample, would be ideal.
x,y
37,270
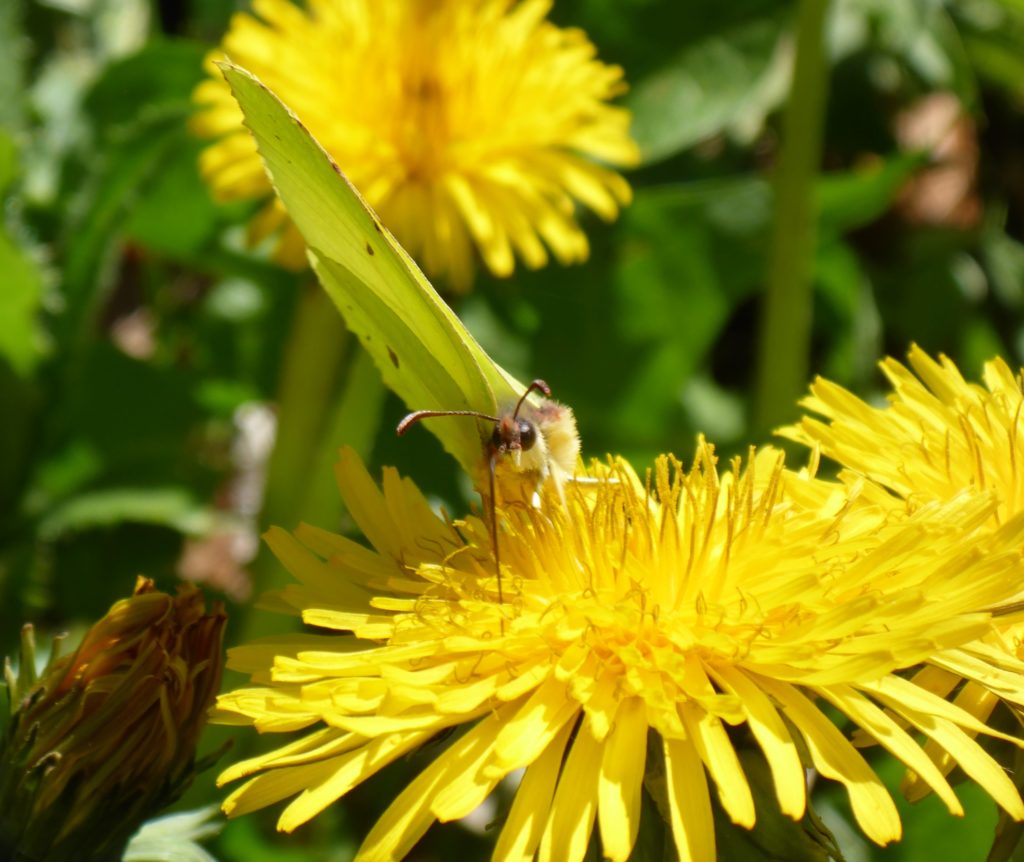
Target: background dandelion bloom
x,y
463,122
938,436
684,606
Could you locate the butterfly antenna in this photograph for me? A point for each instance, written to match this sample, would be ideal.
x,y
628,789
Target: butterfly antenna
x,y
413,418
535,386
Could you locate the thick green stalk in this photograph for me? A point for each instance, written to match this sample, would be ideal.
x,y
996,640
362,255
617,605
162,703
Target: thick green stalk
x,y
312,369
330,395
354,421
312,373
784,344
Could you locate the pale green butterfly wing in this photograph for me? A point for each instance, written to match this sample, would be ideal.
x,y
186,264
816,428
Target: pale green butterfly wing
x,y
423,351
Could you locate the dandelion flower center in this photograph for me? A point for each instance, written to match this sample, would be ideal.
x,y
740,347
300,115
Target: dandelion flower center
x,y
465,123
680,604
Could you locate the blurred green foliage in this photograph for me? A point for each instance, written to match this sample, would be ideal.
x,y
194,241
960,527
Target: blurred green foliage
x,y
138,334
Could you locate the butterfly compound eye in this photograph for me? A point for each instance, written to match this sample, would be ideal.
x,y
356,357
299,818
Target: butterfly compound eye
x,y
527,434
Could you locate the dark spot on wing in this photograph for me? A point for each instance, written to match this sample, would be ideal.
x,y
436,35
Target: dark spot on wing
x,y
376,224
369,249
394,357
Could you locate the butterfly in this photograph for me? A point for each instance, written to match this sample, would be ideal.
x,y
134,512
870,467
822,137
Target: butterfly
x,y
422,349
546,445
540,440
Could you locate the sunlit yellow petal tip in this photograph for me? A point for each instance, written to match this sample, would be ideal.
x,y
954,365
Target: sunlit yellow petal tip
x,y
939,438
683,603
465,123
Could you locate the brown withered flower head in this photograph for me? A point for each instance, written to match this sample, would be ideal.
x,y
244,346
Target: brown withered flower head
x,y
105,737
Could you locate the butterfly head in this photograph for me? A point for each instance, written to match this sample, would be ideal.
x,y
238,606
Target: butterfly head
x,y
522,433
514,434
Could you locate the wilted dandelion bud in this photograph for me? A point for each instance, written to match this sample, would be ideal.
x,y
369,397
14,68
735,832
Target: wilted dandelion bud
x,y
106,736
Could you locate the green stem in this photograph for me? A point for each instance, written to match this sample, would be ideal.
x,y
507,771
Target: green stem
x,y
354,421
311,371
311,374
330,396
784,346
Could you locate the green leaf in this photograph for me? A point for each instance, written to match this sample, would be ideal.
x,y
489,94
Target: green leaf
x,y
992,38
173,507
647,311
687,266
726,82
846,318
21,342
928,827
14,47
124,423
243,839
131,164
158,78
139,179
175,214
1003,256
851,199
918,35
774,836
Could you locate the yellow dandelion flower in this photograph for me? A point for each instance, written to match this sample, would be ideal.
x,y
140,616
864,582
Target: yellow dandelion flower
x,y
686,604
463,122
938,437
